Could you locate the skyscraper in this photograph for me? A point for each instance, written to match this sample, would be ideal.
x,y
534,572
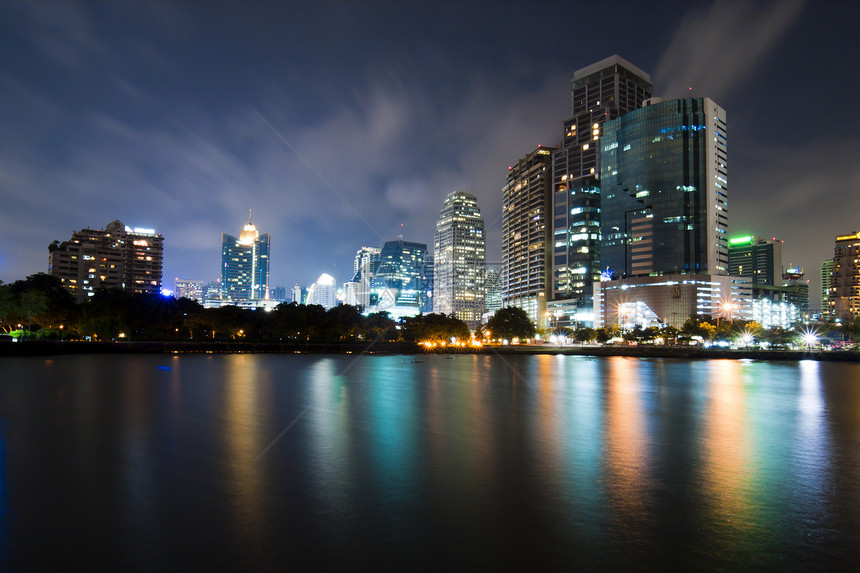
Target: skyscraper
x,y
526,235
826,279
323,292
664,190
845,279
459,254
401,285
245,265
759,259
364,268
600,92
114,257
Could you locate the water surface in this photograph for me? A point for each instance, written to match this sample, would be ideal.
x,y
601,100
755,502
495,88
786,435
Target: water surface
x,y
140,462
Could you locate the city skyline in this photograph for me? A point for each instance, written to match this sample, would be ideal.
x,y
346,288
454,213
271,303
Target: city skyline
x,y
180,119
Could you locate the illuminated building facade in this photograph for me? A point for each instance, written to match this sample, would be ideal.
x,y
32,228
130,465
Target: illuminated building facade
x,y
459,258
600,92
245,265
323,292
114,257
826,274
669,300
759,259
664,193
493,290
527,235
845,279
402,284
185,288
357,291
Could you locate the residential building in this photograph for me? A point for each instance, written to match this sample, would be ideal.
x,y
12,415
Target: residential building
x,y
245,265
600,92
117,256
826,283
459,258
845,279
527,240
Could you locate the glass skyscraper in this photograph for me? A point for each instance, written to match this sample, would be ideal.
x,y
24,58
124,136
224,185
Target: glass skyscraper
x,y
245,265
401,285
664,190
600,92
459,259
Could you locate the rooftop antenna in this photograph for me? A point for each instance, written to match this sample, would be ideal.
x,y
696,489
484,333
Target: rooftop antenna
x,y
249,216
400,237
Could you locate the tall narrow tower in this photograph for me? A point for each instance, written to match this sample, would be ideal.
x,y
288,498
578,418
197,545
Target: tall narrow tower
x,y
459,259
599,93
245,265
526,235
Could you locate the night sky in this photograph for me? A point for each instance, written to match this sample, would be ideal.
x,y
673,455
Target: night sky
x,y
336,122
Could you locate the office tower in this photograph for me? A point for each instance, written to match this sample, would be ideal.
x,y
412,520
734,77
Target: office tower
x,y
278,293
401,285
600,92
114,257
664,197
826,274
756,258
429,282
845,279
323,292
527,235
459,255
245,265
493,289
796,289
364,268
190,289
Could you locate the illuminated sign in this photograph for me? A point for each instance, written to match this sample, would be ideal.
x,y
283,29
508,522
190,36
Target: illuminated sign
x,y
741,241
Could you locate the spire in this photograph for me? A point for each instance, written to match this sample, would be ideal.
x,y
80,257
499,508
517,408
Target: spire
x,y
249,216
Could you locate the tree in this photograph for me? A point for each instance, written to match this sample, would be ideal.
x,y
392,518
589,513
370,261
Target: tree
x,y
511,322
435,327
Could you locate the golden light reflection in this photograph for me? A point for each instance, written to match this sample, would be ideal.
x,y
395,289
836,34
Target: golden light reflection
x,y
550,424
626,445
727,473
244,442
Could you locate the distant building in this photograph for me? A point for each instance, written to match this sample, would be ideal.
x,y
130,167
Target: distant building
x,y
323,292
826,283
114,257
357,291
279,294
212,292
459,257
527,243
245,265
185,288
756,258
493,290
402,284
845,280
299,294
599,93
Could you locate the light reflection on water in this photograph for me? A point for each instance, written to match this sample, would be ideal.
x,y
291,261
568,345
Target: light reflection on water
x,y
388,461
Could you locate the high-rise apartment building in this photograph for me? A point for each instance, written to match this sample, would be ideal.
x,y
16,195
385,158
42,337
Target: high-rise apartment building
x,y
114,257
493,289
664,190
323,292
845,279
245,265
527,239
460,255
756,258
600,92
826,274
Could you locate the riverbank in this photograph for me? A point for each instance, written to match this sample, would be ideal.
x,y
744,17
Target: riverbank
x,y
53,347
